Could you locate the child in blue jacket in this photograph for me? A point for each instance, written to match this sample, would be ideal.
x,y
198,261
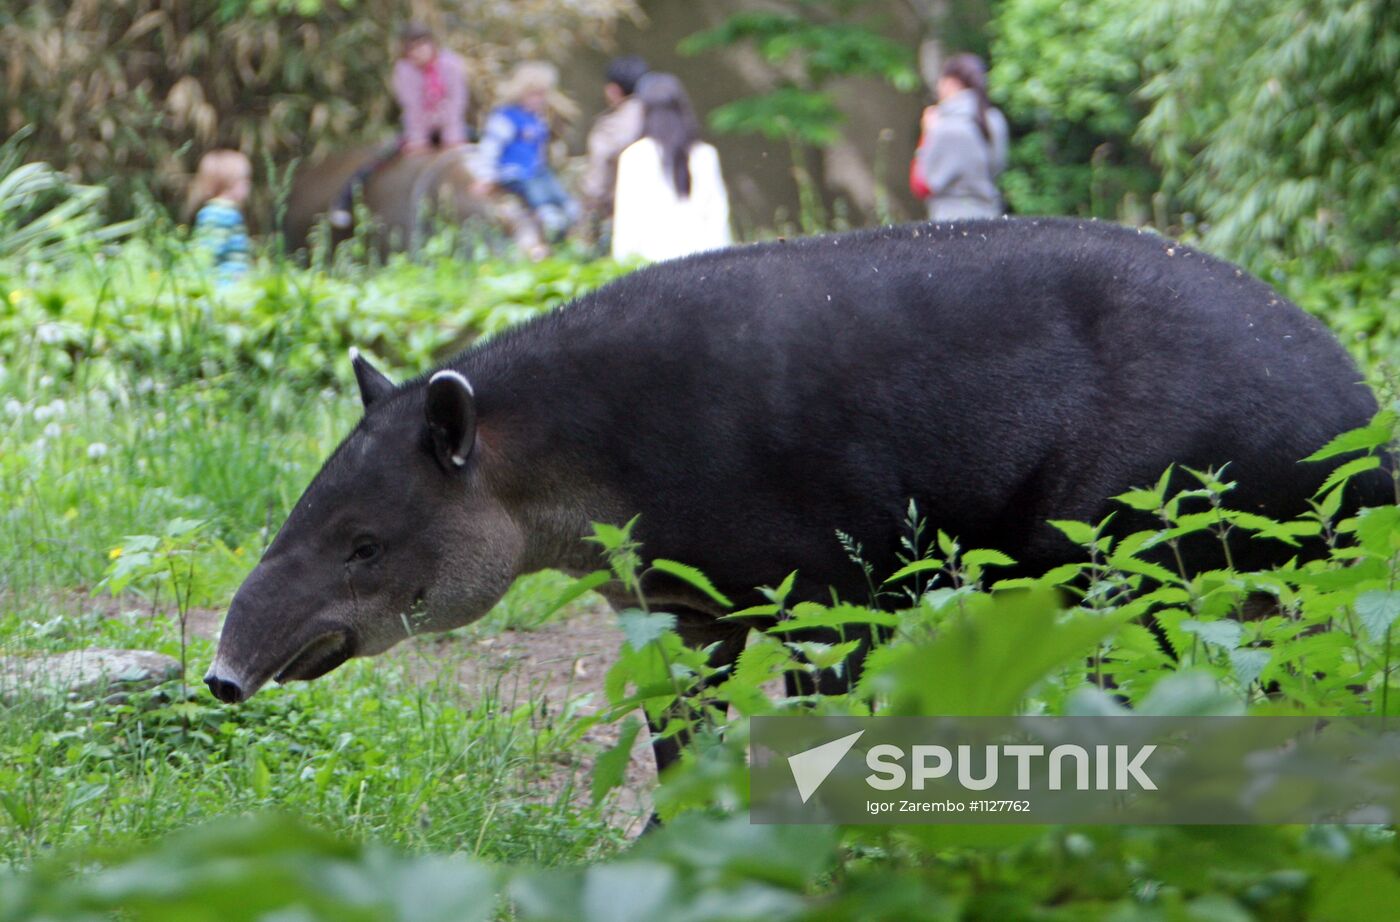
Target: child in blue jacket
x,y
514,150
219,191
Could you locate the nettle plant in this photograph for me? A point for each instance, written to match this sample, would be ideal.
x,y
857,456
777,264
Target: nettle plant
x,y
1116,631
162,564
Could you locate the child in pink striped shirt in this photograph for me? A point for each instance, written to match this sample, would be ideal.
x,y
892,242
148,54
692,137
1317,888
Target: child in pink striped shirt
x,y
430,84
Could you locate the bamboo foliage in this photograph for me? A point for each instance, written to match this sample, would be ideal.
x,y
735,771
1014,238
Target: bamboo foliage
x,y
129,93
1279,122
44,217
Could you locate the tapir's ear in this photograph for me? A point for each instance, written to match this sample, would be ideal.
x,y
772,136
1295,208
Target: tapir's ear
x,y
373,383
451,411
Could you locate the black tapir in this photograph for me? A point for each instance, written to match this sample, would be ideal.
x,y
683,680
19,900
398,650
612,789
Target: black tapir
x,y
750,402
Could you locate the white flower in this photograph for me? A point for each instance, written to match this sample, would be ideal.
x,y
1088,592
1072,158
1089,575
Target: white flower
x,y
13,407
46,382
97,450
42,413
52,431
49,333
59,406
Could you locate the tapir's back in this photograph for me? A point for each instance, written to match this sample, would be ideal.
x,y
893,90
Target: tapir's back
x,y
750,402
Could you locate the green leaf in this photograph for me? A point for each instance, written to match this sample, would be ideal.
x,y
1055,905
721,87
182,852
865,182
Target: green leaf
x,y
1331,503
779,596
178,528
806,615
946,545
578,587
433,888
1349,470
1378,530
693,577
610,537
262,777
918,566
732,848
1064,573
641,628
753,611
824,655
1081,533
1142,500
629,891
17,809
1224,633
1366,438
782,114
1248,663
983,557
1130,564
610,768
763,660
1378,610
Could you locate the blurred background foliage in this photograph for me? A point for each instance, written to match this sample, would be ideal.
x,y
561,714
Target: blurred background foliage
x,y
1070,94
44,215
820,42
1272,127
129,93
1278,122
1266,127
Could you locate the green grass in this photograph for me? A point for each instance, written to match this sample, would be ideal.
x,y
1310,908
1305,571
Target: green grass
x,y
134,399
373,754
151,421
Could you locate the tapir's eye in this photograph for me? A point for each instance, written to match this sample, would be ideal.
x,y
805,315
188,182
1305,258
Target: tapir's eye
x,y
364,550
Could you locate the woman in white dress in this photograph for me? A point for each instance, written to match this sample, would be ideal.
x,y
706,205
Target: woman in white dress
x,y
670,198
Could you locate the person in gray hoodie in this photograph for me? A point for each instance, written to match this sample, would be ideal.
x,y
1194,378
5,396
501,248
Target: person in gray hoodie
x,y
964,144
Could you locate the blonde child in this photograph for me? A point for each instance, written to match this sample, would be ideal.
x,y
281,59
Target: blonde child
x,y
514,150
219,190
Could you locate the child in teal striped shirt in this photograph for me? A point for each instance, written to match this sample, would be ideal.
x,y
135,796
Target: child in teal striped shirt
x,y
221,186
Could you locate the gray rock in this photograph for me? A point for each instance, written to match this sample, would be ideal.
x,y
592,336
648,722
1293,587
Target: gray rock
x,y
83,674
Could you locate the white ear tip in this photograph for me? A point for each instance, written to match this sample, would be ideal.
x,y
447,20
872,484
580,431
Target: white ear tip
x,y
354,354
453,375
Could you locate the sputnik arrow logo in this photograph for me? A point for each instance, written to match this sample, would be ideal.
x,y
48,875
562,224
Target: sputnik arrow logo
x,y
811,768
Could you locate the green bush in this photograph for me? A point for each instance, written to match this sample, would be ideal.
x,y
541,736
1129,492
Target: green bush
x,y
1065,74
1272,124
1275,122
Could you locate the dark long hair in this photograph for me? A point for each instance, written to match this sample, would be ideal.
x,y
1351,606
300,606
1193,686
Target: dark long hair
x,y
968,69
669,120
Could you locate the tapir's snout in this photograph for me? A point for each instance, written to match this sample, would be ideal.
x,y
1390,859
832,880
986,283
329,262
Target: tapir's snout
x,y
226,690
259,643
